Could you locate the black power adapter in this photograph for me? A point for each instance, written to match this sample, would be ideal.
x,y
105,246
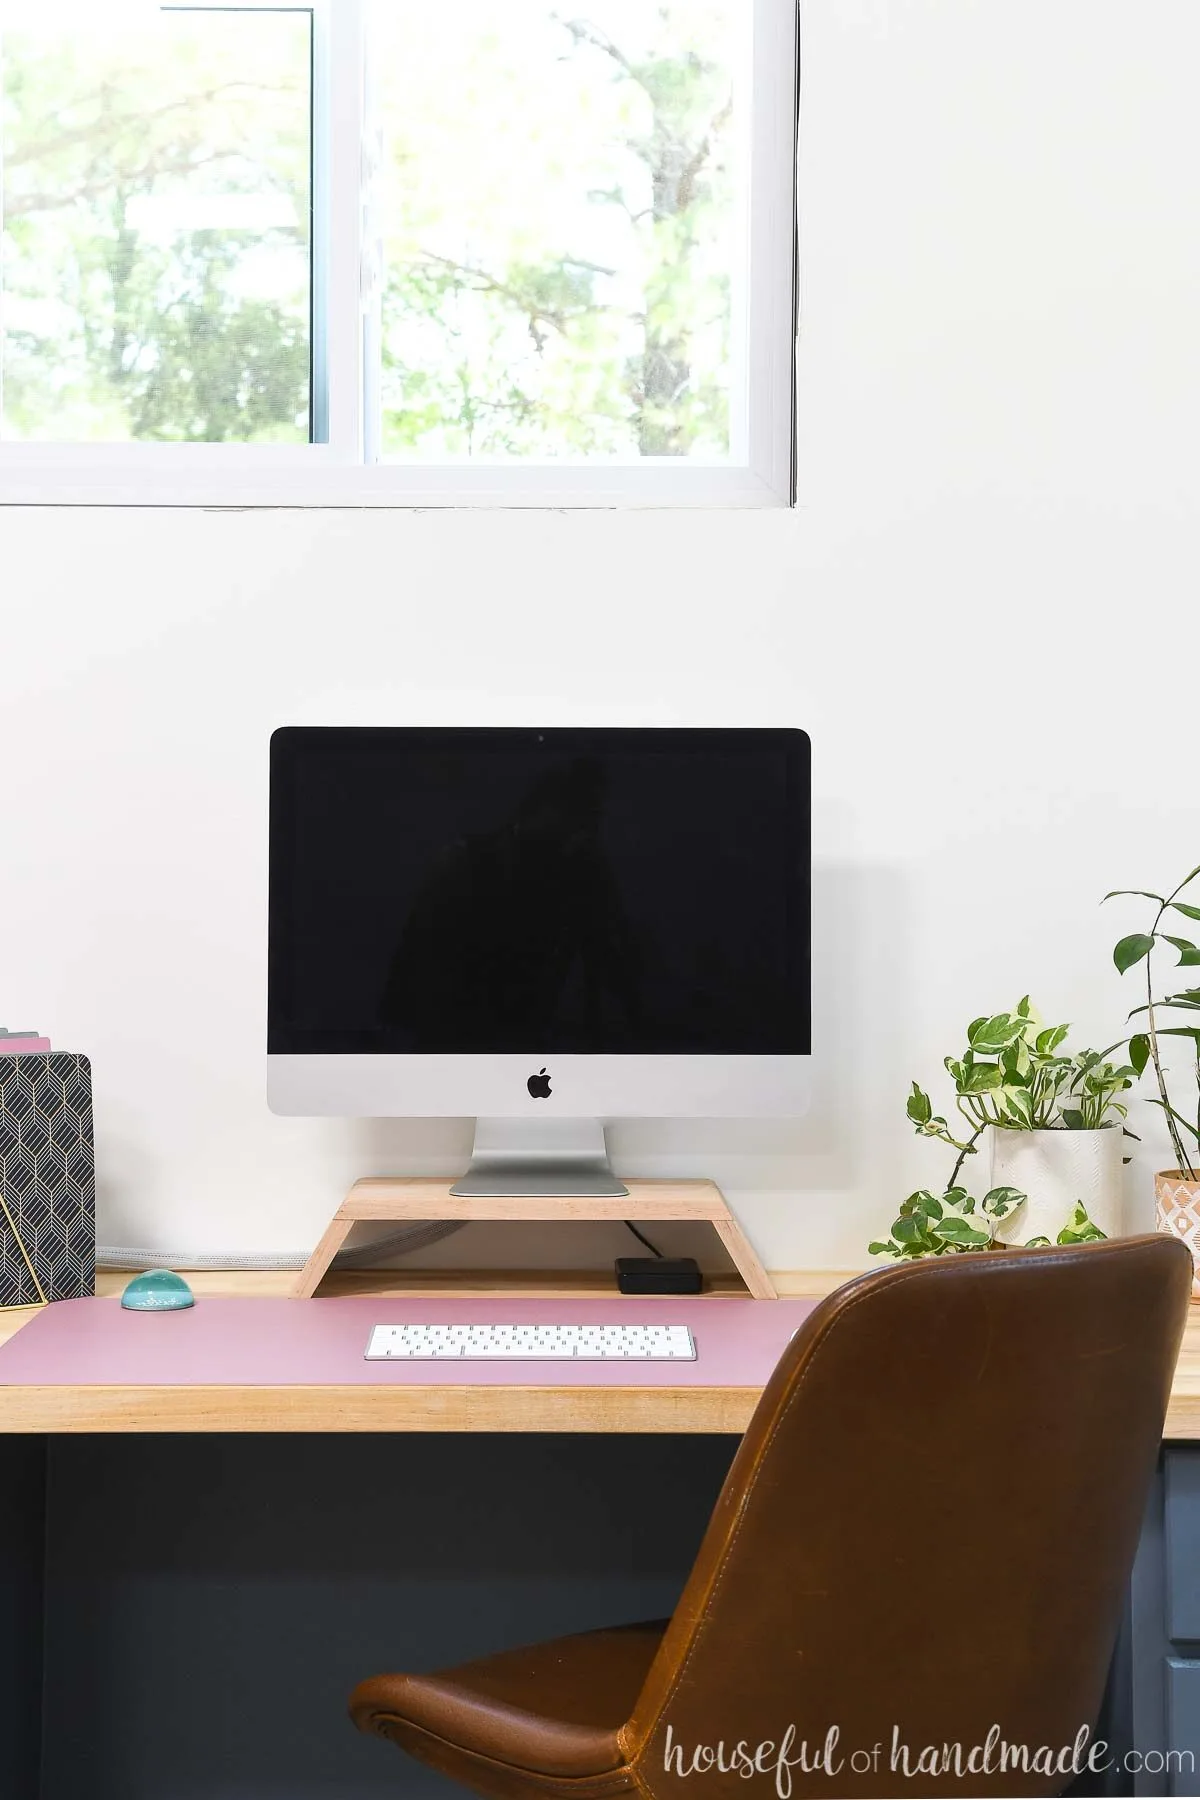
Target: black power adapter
x,y
658,1275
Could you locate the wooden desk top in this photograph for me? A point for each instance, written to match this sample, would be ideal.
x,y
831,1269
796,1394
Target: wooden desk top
x,y
658,1399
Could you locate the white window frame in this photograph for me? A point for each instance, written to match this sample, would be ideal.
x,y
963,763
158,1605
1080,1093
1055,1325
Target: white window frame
x,y
341,471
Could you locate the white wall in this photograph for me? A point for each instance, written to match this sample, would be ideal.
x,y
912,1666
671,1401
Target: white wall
x,y
984,611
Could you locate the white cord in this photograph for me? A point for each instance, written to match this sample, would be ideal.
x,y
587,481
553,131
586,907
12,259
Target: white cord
x,y
362,1256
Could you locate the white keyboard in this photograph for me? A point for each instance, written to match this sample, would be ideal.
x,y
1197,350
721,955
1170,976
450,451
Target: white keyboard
x,y
532,1343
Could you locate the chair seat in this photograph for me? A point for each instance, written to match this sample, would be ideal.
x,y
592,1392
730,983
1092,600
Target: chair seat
x,y
551,1709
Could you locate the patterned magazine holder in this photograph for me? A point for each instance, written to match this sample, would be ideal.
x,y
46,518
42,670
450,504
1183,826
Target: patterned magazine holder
x,y
47,1179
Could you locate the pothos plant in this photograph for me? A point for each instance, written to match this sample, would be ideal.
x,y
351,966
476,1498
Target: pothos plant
x,y
1146,1046
1015,1076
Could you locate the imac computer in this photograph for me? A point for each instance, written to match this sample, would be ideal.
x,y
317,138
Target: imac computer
x,y
546,929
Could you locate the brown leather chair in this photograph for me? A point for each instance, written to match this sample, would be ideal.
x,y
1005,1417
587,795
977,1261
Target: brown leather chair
x,y
928,1529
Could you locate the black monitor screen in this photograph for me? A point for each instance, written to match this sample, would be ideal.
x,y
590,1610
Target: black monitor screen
x,y
610,891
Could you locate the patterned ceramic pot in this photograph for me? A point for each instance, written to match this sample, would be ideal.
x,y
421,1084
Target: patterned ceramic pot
x,y
1177,1209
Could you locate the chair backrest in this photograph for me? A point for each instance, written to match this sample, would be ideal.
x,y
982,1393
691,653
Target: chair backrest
x,y
927,1532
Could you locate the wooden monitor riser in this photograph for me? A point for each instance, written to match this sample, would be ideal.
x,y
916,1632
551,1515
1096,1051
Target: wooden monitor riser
x,y
411,1198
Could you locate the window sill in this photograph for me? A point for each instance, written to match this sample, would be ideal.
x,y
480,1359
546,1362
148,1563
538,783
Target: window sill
x,y
32,477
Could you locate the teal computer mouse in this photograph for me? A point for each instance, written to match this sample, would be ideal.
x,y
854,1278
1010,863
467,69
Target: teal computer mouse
x,y
158,1290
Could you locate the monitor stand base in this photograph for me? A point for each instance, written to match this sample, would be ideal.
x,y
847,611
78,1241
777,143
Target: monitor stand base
x,y
379,1199
543,1159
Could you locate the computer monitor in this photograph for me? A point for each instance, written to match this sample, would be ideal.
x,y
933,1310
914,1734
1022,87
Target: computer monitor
x,y
547,929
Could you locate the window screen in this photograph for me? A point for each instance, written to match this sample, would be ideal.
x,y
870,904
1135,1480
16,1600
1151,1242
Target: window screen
x,y
561,233
155,282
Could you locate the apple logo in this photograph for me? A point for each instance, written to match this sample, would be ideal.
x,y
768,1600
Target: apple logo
x,y
539,1086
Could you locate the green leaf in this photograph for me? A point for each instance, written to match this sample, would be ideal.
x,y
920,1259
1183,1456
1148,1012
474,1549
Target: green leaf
x,y
1039,1243
1189,912
995,1033
1019,1103
981,1078
1079,1228
1178,1118
1092,1235
1189,953
958,1231
907,1231
1131,950
1002,1200
920,1107
1140,893
918,1202
878,1249
1139,1051
1072,1119
1081,1221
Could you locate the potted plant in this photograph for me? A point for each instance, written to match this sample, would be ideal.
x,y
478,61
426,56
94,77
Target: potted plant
x,y
1167,1016
1053,1119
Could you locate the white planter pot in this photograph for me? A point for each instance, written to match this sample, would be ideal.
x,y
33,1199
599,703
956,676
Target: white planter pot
x,y
1055,1169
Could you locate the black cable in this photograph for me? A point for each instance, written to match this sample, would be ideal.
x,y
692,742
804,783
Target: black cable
x,y
642,1239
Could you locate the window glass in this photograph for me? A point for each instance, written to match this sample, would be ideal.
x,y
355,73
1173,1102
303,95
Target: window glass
x,y
155,281
561,217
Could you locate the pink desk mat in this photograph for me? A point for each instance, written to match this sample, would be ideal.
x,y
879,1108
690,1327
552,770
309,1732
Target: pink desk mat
x,y
314,1343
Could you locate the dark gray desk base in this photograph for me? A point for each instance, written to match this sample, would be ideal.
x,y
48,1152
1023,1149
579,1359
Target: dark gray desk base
x,y
22,1538
1166,1629
182,1617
